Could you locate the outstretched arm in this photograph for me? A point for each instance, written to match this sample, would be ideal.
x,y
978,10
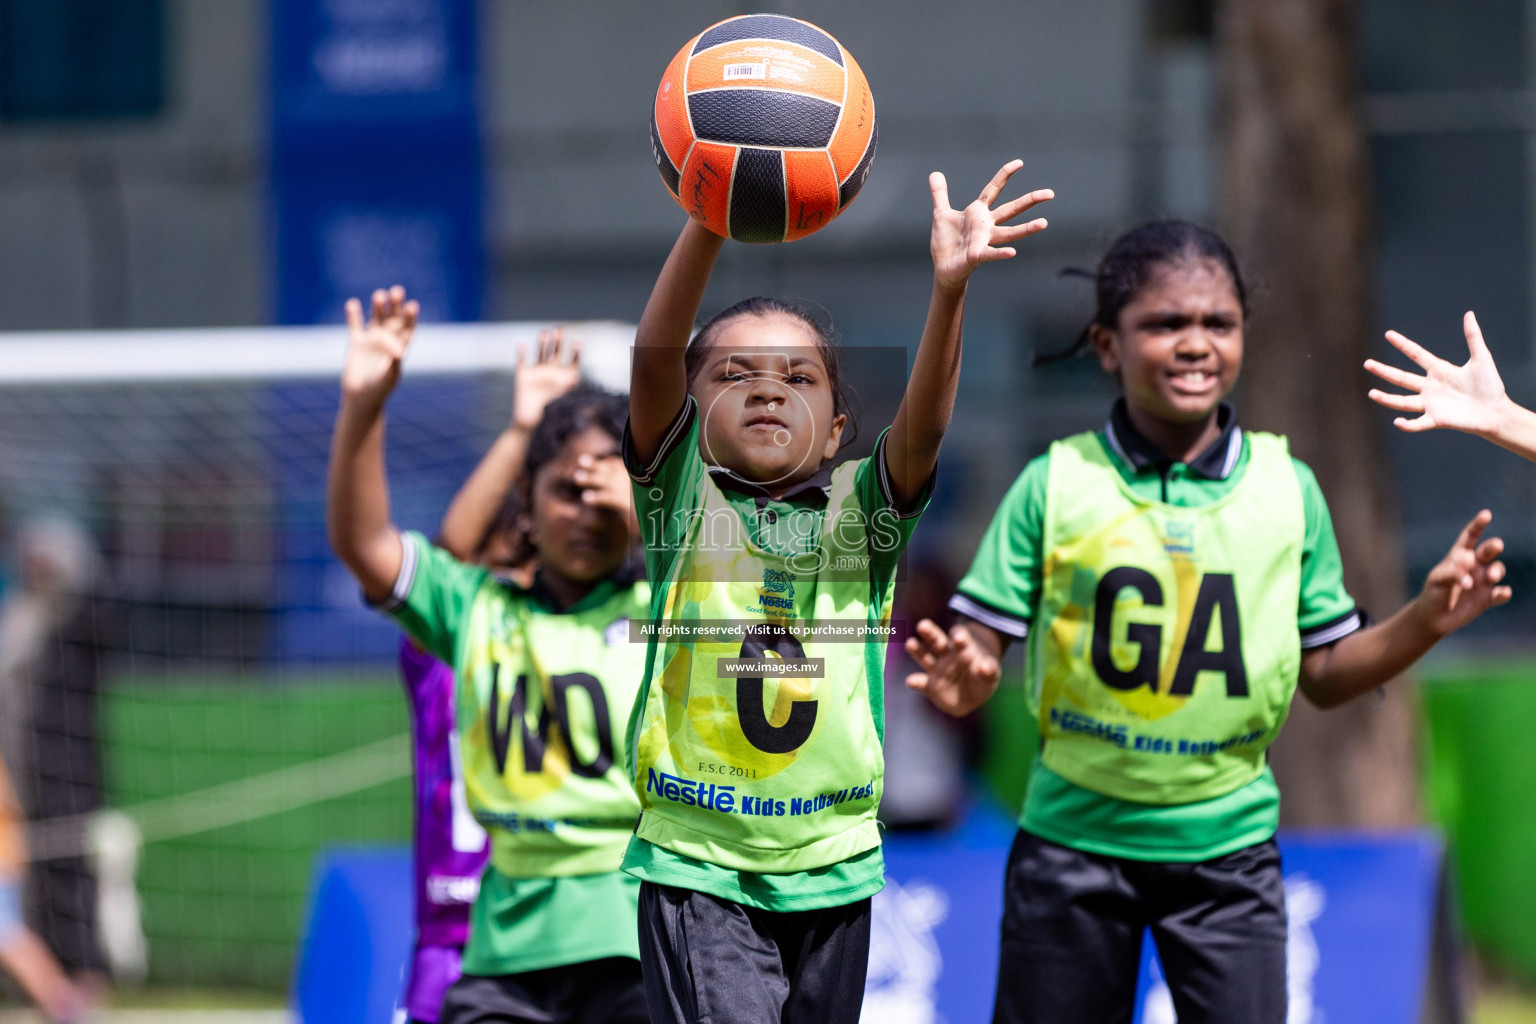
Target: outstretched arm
x,y
658,383
357,493
960,669
1466,582
961,241
554,369
1469,398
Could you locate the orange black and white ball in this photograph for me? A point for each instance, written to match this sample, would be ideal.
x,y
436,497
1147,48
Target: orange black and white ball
x,y
764,128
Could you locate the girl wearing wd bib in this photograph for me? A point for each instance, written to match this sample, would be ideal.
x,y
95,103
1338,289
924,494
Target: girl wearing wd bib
x,y
450,849
546,677
1176,579
757,843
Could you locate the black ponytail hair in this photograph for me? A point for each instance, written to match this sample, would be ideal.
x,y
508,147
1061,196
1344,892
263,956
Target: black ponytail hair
x,y
585,406
1130,264
820,326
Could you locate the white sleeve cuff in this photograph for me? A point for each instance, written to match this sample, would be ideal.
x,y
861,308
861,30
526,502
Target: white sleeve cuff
x,y
1005,624
1332,632
402,588
678,430
883,478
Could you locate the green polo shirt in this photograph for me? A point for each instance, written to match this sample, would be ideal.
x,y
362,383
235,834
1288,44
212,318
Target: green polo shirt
x,y
1002,591
787,524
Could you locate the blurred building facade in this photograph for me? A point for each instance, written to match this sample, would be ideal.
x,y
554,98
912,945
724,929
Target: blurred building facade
x,y
162,215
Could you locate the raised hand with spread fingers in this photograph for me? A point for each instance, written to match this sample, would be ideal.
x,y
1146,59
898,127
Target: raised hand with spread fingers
x,y
1469,397
376,346
357,492
552,370
964,239
1465,583
959,242
960,668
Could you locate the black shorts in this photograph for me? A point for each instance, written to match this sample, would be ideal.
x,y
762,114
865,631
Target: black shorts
x,y
595,992
1073,924
707,959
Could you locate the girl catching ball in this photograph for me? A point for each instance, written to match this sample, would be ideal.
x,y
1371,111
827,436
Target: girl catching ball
x,y
546,677
1176,579
755,747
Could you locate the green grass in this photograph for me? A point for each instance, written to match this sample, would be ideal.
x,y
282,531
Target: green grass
x,y
198,999
1480,784
225,907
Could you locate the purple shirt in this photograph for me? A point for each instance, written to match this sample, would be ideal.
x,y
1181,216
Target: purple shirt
x,y
451,849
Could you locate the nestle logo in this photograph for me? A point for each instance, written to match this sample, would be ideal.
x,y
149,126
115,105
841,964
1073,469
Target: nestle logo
x,y
776,581
693,794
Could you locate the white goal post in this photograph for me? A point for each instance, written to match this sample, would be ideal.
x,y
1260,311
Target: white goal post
x,y
289,353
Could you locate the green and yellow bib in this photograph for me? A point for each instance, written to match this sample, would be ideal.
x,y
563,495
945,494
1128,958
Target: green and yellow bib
x,y
736,765
543,700
1166,651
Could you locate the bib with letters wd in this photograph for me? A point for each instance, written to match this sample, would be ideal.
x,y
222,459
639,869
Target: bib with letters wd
x,y
1166,650
543,700
742,767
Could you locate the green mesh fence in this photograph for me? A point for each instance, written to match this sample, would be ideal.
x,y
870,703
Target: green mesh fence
x,y
225,906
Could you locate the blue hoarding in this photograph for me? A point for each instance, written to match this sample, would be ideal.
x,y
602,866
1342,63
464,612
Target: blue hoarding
x,y
1361,907
375,180
375,155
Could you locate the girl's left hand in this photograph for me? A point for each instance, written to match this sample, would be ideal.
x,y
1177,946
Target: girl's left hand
x,y
1466,582
964,239
604,482
554,370
958,674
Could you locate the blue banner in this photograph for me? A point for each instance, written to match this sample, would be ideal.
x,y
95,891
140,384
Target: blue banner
x,y
1360,911
1361,914
376,180
376,174
933,937
357,937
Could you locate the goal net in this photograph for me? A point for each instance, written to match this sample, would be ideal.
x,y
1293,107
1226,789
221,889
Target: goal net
x,y
219,686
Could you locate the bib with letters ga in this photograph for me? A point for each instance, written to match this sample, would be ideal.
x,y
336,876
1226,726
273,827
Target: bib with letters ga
x,y
1166,650
748,768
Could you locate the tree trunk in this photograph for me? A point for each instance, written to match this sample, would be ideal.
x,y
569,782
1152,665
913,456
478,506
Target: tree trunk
x,y
1297,190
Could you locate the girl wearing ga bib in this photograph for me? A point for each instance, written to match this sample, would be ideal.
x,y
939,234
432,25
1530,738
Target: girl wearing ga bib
x,y
545,676
755,746
1176,580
